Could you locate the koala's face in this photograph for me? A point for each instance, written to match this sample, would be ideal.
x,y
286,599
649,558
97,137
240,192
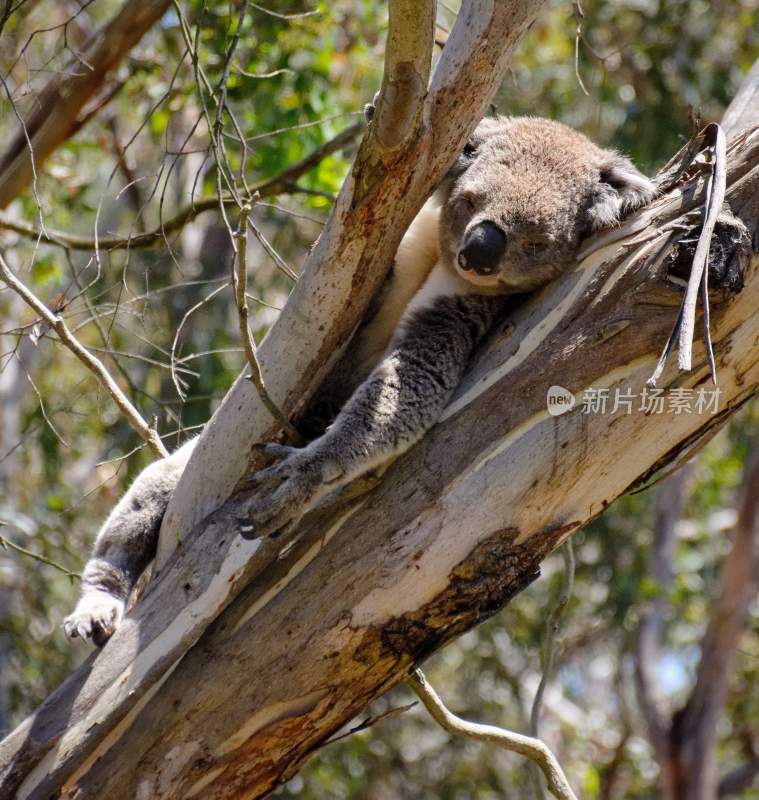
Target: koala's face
x,y
523,195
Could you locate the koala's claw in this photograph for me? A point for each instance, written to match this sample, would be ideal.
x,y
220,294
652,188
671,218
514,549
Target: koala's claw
x,y
96,617
275,451
283,491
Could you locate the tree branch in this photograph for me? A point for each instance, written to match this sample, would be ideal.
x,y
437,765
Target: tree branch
x,y
530,747
743,111
547,654
284,183
695,728
740,779
58,104
668,511
7,543
93,364
241,285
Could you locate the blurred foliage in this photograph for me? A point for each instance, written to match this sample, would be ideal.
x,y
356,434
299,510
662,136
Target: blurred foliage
x,y
163,321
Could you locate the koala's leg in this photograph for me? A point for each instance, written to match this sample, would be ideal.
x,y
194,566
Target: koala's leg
x,y
123,548
400,400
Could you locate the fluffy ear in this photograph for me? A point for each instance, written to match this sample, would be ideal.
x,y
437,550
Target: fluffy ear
x,y
621,189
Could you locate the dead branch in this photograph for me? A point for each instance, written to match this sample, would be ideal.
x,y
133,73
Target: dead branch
x,y
715,197
713,139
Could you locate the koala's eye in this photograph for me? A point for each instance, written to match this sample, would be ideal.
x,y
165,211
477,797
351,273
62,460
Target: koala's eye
x,y
533,247
469,150
466,202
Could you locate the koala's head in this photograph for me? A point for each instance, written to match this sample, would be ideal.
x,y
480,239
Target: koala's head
x,y
523,195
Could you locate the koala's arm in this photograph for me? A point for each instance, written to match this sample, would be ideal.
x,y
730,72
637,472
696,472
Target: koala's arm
x,y
391,410
125,545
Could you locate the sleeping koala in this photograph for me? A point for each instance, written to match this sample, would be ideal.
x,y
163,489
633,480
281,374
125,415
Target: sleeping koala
x,y
507,219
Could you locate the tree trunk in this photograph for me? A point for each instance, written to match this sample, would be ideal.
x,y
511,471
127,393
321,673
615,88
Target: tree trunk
x,y
689,760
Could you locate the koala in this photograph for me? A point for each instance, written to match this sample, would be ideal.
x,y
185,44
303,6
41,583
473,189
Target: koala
x,y
506,220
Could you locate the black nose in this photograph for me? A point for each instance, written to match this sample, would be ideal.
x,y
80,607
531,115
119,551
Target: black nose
x,y
484,246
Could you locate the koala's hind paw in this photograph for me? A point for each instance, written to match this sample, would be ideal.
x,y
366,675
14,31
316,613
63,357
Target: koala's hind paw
x,y
96,616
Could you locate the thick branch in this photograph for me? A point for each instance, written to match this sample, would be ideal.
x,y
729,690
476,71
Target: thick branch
x,y
407,69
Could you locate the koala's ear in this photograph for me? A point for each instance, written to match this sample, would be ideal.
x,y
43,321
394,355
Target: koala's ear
x,y
621,189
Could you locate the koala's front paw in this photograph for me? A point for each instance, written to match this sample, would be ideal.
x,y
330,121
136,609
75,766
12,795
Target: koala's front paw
x,y
96,616
284,491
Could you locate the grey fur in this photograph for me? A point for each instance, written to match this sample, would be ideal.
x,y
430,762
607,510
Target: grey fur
x,y
544,186
390,411
125,545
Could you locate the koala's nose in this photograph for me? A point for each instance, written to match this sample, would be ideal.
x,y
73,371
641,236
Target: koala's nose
x,y
484,246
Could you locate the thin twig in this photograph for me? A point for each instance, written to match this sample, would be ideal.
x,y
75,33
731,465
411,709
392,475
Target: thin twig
x,y
547,655
370,722
580,15
284,183
56,322
7,543
268,247
299,15
241,284
528,746
179,385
